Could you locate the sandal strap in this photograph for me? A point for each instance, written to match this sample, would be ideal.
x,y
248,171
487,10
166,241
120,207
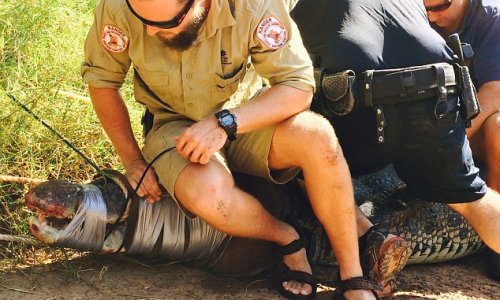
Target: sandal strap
x,y
358,283
293,247
300,276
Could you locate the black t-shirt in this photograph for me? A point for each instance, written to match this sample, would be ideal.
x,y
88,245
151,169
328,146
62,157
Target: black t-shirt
x,y
369,34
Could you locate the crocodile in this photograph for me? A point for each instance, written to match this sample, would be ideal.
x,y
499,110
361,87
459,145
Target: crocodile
x,y
436,233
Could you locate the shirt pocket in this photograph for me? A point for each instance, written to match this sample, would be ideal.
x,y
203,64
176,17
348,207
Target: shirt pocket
x,y
223,88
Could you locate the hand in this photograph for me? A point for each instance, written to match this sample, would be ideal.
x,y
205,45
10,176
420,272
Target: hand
x,y
201,140
149,187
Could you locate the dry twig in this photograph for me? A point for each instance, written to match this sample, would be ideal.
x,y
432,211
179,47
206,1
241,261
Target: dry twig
x,y
17,179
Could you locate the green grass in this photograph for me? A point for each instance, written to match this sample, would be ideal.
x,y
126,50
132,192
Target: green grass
x,y
41,51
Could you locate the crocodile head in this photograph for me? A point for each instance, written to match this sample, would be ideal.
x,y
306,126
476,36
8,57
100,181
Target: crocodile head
x,y
56,202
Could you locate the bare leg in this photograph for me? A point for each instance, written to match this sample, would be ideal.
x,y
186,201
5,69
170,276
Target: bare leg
x,y
484,216
309,142
362,222
208,191
485,144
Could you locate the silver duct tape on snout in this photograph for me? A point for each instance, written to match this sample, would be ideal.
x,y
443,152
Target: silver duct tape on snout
x,y
87,230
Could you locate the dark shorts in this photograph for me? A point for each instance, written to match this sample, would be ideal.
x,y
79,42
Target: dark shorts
x,y
432,156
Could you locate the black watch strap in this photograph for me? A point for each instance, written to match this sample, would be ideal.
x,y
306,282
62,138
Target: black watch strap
x,y
227,121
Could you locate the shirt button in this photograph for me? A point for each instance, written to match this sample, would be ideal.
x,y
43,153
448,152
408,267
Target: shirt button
x,y
190,104
189,75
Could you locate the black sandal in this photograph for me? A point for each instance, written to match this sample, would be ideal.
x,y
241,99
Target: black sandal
x,y
288,275
357,283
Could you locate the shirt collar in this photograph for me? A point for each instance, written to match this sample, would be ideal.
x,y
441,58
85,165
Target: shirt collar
x,y
219,16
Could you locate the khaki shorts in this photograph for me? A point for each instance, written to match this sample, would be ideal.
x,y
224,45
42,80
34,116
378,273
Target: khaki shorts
x,y
247,154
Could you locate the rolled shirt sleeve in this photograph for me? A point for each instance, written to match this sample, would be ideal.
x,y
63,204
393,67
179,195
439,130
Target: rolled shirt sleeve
x,y
106,48
276,47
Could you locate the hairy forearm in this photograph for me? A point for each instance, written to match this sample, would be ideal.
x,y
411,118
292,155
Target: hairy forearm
x,y
277,104
489,100
113,115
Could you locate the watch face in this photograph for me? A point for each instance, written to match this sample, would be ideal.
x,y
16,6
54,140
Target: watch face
x,y
227,120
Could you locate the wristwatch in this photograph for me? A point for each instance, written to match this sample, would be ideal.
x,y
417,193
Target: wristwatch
x,y
227,121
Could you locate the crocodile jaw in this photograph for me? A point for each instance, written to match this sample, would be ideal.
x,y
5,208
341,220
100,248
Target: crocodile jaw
x,y
43,231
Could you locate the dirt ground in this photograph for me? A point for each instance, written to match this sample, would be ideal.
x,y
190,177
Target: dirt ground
x,y
120,277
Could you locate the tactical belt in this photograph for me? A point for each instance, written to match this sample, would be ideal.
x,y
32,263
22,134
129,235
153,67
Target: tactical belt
x,y
406,85
340,93
391,86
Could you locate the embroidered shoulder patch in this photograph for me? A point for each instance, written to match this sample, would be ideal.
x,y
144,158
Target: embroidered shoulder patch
x,y
272,33
113,39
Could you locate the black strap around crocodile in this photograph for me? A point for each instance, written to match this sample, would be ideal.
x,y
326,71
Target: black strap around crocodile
x,y
133,209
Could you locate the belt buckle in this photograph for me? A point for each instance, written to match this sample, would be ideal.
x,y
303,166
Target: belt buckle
x,y
408,82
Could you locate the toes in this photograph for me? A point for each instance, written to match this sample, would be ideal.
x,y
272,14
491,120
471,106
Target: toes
x,y
291,287
306,289
288,286
297,287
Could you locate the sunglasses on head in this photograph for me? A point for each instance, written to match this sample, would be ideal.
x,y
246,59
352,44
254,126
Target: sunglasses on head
x,y
176,21
440,7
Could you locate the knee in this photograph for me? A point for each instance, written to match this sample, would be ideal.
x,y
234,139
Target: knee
x,y
318,140
206,194
491,129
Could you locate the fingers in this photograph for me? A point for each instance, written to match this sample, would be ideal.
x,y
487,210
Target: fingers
x,y
187,147
182,141
198,142
141,192
194,150
195,155
149,186
205,157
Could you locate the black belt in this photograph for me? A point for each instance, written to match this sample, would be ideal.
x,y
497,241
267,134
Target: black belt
x,y
343,91
392,86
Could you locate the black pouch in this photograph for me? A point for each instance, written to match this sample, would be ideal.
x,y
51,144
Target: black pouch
x,y
469,103
147,122
337,93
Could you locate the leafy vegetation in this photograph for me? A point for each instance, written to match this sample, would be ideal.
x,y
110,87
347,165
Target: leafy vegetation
x,y
41,51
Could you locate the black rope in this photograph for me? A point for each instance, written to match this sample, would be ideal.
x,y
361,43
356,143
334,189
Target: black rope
x,y
150,165
133,215
85,158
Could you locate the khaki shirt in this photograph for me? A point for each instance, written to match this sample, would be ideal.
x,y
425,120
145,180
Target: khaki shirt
x,y
238,36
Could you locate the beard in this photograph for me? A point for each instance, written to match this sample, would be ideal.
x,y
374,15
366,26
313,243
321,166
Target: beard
x,y
188,36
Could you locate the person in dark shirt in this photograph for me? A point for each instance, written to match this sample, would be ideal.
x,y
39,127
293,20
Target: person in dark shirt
x,y
408,101
478,23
